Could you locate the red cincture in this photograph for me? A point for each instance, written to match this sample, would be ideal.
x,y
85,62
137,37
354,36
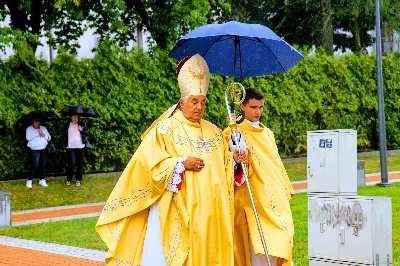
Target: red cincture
x,y
179,186
239,175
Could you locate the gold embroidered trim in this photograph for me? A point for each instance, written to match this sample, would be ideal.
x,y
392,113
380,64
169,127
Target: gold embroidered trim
x,y
119,262
114,204
175,240
115,232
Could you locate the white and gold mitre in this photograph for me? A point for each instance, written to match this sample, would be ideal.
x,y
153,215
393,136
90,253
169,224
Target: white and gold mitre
x,y
194,77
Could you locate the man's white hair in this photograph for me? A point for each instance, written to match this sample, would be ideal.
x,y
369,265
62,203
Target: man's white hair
x,y
185,99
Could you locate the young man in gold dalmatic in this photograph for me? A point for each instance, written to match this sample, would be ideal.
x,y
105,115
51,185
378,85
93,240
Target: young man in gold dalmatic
x,y
271,189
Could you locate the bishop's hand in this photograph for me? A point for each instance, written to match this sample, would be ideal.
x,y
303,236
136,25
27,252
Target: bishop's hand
x,y
193,164
241,157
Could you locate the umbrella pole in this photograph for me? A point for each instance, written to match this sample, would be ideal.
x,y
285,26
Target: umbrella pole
x,y
233,126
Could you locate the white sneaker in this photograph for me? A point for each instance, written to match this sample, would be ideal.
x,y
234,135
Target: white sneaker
x,y
43,183
29,184
68,183
78,184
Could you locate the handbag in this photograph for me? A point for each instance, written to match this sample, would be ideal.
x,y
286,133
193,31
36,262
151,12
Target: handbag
x,y
50,147
87,144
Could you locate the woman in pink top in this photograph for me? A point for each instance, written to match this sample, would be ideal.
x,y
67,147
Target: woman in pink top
x,y
74,142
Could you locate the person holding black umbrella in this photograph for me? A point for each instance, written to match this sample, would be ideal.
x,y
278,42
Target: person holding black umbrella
x,y
38,138
74,142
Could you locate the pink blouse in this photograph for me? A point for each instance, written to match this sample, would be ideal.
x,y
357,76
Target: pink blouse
x,y
74,137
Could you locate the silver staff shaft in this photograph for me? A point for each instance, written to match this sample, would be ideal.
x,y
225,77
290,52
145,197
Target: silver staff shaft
x,y
252,198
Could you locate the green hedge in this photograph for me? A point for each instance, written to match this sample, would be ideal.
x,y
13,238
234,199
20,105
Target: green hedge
x,y
132,89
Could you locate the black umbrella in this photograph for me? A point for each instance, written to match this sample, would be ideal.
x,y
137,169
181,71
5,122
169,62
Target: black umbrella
x,y
41,115
81,110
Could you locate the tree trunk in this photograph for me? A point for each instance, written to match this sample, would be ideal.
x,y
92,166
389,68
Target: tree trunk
x,y
356,36
280,13
327,29
374,129
20,21
160,36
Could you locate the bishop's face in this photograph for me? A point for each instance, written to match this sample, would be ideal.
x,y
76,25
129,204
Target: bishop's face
x,y
193,109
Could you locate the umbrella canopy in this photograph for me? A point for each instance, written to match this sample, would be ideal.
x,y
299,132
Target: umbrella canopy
x,y
81,110
238,49
41,115
26,120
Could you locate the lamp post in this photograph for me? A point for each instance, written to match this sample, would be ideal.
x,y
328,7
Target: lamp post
x,y
381,106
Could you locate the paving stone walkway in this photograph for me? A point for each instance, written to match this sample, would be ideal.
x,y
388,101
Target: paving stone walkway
x,y
15,252
21,252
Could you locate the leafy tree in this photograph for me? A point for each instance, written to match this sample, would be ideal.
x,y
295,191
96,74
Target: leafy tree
x,y
38,17
300,22
116,20
166,20
15,38
327,23
297,21
357,17
255,11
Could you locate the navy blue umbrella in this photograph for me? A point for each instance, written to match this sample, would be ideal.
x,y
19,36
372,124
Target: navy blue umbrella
x,y
238,49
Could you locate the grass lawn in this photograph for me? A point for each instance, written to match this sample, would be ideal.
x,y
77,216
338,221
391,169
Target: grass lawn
x,y
78,233
97,189
298,170
93,189
82,233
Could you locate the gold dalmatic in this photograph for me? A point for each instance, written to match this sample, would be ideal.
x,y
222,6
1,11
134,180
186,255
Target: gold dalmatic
x,y
272,191
196,223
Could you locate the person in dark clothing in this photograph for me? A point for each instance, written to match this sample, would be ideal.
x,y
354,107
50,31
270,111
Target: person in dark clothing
x,y
74,143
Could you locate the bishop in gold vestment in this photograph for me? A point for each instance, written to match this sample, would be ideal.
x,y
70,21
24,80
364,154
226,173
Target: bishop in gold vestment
x,y
175,195
271,189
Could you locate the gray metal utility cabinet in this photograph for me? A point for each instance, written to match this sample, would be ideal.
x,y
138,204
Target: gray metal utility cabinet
x,y
332,161
5,209
343,228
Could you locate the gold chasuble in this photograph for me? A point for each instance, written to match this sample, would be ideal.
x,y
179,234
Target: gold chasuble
x,y
196,223
272,191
